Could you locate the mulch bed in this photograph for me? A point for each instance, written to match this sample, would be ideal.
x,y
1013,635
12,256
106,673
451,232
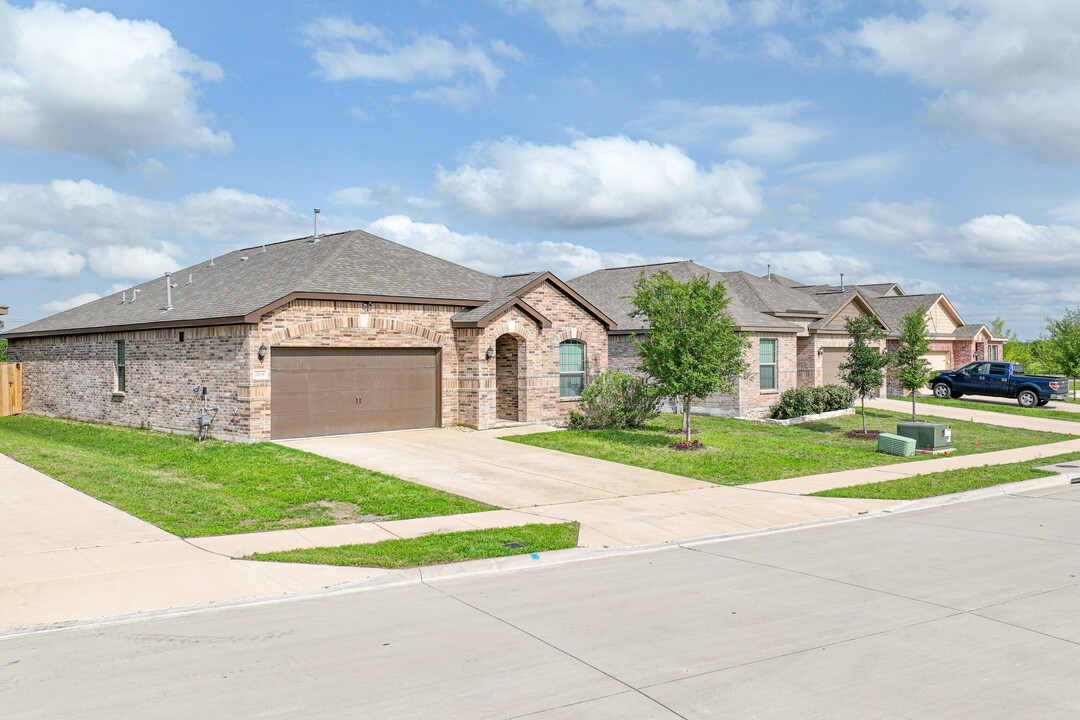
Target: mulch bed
x,y
680,432
860,435
688,446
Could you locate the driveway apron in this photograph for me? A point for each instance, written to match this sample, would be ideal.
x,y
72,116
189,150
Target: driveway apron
x,y
617,505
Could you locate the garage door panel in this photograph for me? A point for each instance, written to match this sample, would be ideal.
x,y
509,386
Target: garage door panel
x,y
315,391
831,359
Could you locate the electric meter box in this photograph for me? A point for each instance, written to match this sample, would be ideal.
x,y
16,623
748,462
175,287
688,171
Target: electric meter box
x,y
927,436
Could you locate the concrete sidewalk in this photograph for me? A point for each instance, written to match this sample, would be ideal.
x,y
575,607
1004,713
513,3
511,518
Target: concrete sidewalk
x,y
1028,422
65,556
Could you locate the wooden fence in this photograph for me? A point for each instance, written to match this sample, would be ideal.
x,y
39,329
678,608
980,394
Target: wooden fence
x,y
10,389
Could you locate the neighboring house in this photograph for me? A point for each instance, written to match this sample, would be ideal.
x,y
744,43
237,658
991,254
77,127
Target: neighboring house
x,y
953,343
796,338
796,331
318,336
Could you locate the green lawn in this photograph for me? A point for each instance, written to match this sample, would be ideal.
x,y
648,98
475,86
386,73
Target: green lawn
x,y
437,549
950,481
1012,409
215,488
744,452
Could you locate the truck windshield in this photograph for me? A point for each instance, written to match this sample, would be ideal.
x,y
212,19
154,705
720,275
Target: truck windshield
x,y
1019,370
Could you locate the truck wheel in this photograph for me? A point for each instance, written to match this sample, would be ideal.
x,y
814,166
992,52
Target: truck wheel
x,y
1027,399
942,391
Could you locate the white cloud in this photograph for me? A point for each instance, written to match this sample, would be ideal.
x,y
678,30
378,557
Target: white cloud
x,y
346,51
814,266
768,136
40,263
495,256
604,182
121,261
458,98
385,194
61,305
890,223
1010,241
849,168
52,230
1005,71
91,83
573,18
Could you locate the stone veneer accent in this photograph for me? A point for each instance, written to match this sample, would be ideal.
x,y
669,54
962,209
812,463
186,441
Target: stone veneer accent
x,y
75,376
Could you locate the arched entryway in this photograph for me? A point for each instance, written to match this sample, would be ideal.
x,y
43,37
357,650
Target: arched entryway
x,y
509,362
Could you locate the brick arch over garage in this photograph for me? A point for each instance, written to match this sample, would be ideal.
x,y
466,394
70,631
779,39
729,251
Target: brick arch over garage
x,y
358,323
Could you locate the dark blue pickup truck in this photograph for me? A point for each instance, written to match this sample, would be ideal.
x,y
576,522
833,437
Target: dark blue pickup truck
x,y
1000,379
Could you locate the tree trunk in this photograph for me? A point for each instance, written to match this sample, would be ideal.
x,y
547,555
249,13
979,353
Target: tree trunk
x,y
863,398
913,406
686,418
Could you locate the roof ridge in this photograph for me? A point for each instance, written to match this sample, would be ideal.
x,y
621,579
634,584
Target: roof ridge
x,y
334,254
740,273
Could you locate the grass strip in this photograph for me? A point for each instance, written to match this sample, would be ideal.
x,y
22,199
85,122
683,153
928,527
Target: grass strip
x,y
215,488
741,451
1042,412
437,549
950,481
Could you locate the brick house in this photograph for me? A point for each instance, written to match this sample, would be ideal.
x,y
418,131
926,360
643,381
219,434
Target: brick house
x,y
317,336
953,343
796,339
796,331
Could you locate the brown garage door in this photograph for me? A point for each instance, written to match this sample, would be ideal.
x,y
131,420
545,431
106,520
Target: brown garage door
x,y
334,391
830,365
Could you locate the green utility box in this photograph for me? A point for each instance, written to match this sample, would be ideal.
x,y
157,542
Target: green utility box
x,y
934,437
895,445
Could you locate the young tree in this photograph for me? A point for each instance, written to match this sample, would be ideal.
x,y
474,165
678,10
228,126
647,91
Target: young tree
x,y
863,370
912,369
1061,348
693,348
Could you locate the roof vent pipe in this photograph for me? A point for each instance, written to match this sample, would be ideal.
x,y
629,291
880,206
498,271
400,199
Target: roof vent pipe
x,y
211,261
841,281
770,272
168,291
189,281
123,298
315,235
135,294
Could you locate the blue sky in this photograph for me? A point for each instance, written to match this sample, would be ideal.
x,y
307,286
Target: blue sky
x,y
933,143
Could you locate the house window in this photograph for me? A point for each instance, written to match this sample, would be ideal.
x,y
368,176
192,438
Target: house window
x,y
994,352
571,368
767,364
121,366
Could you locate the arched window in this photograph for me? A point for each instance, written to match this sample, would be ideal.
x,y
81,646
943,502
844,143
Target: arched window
x,y
571,368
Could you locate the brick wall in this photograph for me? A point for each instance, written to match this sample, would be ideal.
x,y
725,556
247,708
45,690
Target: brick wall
x,y
74,376
510,365
748,399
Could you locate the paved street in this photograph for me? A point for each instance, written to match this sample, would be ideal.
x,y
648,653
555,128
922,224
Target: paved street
x,y
964,611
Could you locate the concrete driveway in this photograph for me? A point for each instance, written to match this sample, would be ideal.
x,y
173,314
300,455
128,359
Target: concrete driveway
x,y
617,505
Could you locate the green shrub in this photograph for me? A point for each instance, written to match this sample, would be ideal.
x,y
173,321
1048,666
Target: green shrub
x,y
614,401
812,400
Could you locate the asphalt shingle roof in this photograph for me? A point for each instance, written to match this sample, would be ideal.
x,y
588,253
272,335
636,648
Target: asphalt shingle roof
x,y
245,281
606,289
